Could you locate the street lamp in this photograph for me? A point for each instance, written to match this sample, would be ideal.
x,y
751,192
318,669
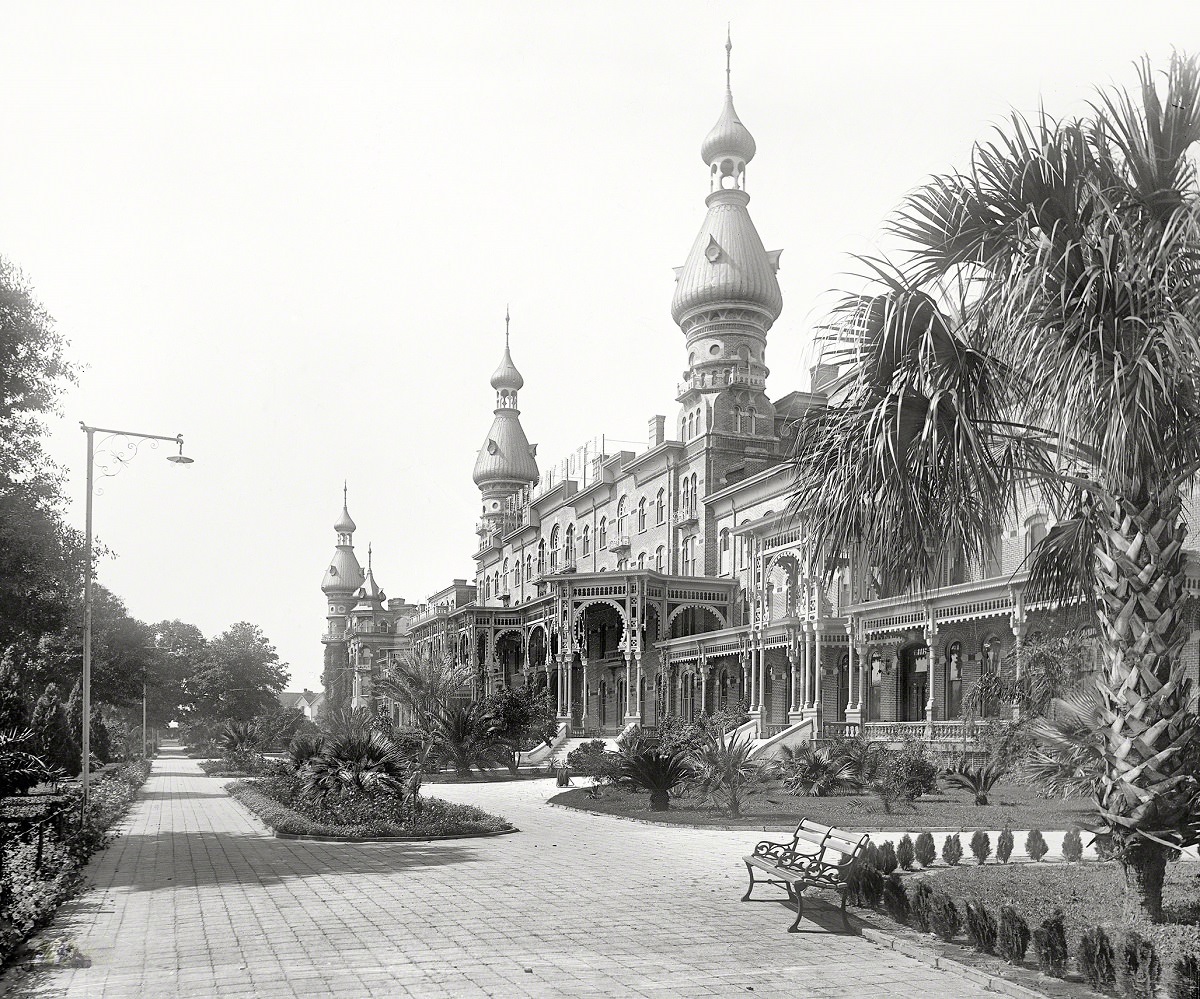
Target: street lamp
x,y
118,460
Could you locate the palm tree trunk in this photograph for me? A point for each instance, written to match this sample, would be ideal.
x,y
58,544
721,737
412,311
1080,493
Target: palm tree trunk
x,y
660,801
1145,716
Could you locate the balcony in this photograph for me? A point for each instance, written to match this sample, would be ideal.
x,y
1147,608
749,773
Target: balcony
x,y
619,543
684,518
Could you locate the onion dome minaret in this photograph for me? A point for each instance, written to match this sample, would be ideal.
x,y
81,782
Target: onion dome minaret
x,y
506,462
344,575
726,295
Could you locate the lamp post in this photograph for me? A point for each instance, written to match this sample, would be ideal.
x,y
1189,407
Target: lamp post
x,y
119,460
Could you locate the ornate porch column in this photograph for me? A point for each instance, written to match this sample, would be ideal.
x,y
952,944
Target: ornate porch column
x,y
931,646
818,704
703,687
637,686
851,663
1020,626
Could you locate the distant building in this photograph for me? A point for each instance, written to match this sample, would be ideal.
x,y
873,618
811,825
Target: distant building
x,y
673,579
306,701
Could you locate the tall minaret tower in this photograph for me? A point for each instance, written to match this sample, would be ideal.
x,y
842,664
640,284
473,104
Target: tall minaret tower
x,y
342,580
726,294
506,462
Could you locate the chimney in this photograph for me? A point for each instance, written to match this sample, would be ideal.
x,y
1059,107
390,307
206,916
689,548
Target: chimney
x,y
658,430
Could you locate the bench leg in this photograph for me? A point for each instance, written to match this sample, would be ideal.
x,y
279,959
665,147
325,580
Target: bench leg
x,y
750,871
845,918
797,895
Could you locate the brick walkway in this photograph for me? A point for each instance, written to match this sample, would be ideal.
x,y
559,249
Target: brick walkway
x,y
196,900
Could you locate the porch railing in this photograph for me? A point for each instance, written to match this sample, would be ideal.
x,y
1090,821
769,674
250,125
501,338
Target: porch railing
x,y
839,730
943,731
770,731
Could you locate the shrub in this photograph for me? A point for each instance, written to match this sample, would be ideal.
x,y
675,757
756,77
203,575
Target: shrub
x,y
981,845
926,852
905,775
815,773
1140,967
944,917
1013,937
870,887
979,781
724,770
952,850
1035,844
895,898
905,854
585,757
1185,978
921,906
1004,845
887,858
1096,959
659,773
1050,945
981,928
1072,847
870,856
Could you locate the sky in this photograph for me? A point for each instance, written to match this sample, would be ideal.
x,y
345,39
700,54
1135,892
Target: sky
x,y
290,231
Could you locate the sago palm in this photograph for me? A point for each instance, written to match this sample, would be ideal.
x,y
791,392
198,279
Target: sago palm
x,y
658,773
466,737
1039,344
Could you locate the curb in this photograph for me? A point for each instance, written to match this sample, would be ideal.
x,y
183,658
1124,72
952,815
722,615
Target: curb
x,y
306,838
935,959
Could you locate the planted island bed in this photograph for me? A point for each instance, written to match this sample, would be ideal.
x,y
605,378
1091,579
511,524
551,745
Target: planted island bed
x,y
771,807
436,819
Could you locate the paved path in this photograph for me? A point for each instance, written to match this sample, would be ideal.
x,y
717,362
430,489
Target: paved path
x,y
196,900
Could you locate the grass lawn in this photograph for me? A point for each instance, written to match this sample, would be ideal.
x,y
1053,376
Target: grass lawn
x,y
773,808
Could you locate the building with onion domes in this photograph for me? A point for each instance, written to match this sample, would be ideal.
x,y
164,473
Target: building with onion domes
x,y
672,579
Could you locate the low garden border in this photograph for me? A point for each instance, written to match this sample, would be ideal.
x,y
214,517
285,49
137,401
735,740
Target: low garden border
x,y
273,812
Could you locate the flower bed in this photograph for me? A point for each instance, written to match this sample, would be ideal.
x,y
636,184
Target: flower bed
x,y
771,807
277,801
32,893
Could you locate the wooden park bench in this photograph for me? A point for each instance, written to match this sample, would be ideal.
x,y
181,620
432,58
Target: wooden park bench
x,y
817,857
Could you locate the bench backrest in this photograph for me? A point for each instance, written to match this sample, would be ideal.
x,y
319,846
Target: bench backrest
x,y
828,843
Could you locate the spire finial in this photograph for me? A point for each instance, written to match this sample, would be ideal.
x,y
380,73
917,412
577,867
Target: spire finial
x,y
506,318
345,491
368,556
728,57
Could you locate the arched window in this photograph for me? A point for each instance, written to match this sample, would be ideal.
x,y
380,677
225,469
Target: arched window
x,y
737,419
586,540
699,421
695,495
751,416
529,567
487,588
554,547
723,558
725,539
570,553
689,427
642,514
622,508
602,533
541,563
660,507
642,561
658,559
1035,531
496,583
686,556
685,494
517,573
505,574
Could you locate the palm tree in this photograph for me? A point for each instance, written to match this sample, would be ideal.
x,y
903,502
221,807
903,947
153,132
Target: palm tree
x,y
358,760
425,684
724,769
816,773
979,780
1039,343
658,773
467,737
